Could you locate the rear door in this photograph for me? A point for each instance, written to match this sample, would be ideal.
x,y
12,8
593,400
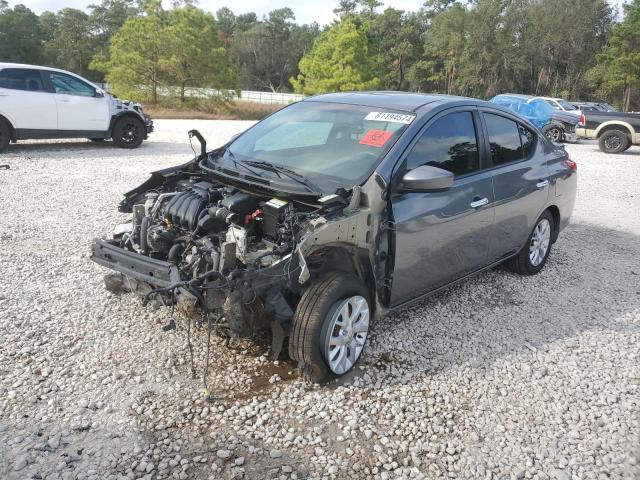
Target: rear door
x,y
79,107
520,180
442,236
24,99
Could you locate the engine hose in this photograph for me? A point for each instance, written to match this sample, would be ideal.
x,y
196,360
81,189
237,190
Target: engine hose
x,y
144,226
175,253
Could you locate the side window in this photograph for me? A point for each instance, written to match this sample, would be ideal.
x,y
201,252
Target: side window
x,y
528,140
450,143
21,79
504,139
68,85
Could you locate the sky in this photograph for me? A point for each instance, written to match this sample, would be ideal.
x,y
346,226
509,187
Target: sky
x,y
305,11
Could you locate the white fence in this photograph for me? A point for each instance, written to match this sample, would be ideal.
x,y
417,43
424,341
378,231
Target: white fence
x,y
270,98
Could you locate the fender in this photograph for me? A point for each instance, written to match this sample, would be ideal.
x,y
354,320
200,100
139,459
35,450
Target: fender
x,y
618,123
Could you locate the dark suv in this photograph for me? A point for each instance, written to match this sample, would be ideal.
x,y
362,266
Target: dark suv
x,y
338,209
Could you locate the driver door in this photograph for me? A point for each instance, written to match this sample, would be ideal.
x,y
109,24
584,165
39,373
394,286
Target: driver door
x,y
443,236
79,106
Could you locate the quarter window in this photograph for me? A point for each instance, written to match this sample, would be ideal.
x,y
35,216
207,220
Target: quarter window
x,y
527,138
504,139
68,85
449,143
21,79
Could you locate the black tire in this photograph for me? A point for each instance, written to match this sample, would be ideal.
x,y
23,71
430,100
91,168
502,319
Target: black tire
x,y
553,132
128,132
311,318
5,135
522,263
613,141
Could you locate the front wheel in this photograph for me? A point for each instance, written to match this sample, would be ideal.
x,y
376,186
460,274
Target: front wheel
x,y
128,132
613,141
330,327
533,256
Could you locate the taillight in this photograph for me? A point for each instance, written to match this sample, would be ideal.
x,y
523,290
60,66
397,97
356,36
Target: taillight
x,y
582,121
571,164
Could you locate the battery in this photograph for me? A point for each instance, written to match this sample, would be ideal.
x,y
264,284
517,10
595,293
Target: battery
x,y
274,215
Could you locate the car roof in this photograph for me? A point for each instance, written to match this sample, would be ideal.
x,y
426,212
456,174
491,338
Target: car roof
x,y
404,101
31,67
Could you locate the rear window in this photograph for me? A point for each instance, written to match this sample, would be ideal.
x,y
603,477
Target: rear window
x,y
21,79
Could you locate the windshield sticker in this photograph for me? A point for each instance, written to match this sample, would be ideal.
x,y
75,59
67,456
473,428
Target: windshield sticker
x,y
375,138
390,117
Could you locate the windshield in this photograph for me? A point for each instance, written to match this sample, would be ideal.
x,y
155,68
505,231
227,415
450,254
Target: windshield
x,y
333,145
566,105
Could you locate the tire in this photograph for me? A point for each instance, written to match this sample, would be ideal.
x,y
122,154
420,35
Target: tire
x,y
613,141
316,323
5,135
523,263
553,132
128,132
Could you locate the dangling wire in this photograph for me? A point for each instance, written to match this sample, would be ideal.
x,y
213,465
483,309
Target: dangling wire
x,y
206,358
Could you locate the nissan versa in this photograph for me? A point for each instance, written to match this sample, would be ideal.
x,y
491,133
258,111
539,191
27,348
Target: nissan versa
x,y
338,209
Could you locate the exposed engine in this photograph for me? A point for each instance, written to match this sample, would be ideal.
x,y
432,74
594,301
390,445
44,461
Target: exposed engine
x,y
202,227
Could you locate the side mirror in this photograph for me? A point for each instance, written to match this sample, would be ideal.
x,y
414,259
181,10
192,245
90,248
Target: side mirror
x,y
427,179
99,94
233,137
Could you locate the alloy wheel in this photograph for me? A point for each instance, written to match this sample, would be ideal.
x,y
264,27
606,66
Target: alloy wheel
x,y
612,142
554,134
540,241
130,133
346,333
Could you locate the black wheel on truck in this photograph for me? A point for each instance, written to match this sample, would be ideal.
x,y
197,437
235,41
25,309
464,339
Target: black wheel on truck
x,y
553,132
614,141
128,132
5,135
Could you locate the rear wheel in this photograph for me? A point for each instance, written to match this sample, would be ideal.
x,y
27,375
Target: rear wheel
x,y
613,141
533,256
5,135
330,327
553,132
128,132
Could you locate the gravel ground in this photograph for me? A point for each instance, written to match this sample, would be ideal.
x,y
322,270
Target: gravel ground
x,y
503,377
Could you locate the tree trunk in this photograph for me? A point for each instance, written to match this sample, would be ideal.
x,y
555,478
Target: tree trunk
x,y
626,97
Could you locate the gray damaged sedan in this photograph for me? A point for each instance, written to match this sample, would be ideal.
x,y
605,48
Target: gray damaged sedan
x,y
336,210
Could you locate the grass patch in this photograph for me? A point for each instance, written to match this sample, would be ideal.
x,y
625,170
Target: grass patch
x,y
210,108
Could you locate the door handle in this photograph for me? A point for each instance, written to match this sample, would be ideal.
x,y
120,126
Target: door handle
x,y
540,185
479,203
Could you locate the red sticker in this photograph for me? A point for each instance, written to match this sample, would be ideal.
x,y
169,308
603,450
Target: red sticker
x,y
375,138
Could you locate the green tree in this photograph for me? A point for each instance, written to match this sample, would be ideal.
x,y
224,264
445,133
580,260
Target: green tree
x,y
339,61
137,56
20,35
267,53
108,17
195,55
619,63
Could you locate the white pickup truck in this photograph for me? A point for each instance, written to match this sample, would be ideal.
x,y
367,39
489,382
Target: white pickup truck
x,y
43,102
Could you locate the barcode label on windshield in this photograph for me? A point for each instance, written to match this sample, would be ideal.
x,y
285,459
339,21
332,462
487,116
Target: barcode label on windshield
x,y
390,117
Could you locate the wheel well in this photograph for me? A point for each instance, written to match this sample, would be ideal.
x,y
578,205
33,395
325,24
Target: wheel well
x,y
116,118
12,131
615,126
343,258
555,213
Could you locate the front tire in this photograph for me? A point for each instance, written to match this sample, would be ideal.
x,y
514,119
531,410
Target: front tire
x,y
613,141
533,256
330,327
5,135
128,132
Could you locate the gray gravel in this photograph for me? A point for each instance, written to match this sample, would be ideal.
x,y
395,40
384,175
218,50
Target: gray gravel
x,y
503,377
